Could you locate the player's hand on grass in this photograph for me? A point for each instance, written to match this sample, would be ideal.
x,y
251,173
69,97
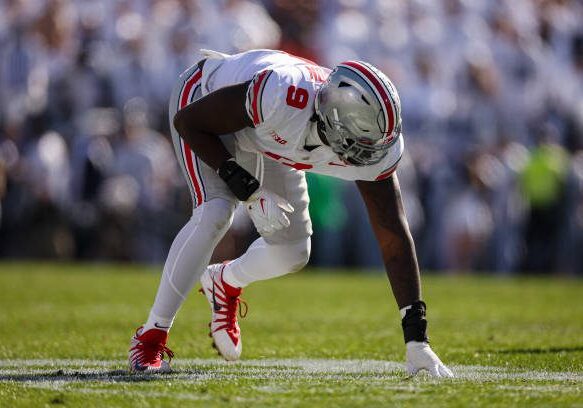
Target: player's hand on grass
x,y
419,354
268,211
421,357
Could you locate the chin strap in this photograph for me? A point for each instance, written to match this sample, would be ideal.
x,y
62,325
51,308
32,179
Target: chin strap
x,y
414,323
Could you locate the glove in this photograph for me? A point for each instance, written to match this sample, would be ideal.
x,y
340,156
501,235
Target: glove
x,y
419,354
421,357
268,211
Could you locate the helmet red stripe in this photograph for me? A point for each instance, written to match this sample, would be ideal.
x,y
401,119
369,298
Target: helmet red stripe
x,y
384,94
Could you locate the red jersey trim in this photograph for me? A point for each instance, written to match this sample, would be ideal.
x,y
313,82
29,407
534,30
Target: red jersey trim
x,y
255,96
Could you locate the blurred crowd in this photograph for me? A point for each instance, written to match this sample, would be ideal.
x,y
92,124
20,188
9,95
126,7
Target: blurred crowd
x,y
492,98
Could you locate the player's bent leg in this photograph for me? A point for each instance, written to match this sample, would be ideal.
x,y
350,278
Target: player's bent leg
x,y
282,252
286,250
266,261
222,285
188,257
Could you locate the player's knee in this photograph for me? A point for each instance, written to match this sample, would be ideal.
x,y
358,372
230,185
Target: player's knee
x,y
299,254
216,215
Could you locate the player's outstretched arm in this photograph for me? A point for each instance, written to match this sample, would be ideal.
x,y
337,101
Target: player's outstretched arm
x,y
387,217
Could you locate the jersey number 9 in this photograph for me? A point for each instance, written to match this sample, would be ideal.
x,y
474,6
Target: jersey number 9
x,y
297,97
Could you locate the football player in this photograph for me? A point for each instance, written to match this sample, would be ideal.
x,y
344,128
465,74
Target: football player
x,y
246,128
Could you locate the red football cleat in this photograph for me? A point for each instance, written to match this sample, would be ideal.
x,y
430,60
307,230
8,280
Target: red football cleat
x,y
224,301
147,351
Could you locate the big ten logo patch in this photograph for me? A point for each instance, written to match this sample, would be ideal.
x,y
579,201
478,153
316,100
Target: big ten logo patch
x,y
277,138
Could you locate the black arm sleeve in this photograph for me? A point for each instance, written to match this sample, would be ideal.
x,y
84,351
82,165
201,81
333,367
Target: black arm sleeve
x,y
239,180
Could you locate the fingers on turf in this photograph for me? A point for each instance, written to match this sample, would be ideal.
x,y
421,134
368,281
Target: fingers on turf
x,y
445,372
434,370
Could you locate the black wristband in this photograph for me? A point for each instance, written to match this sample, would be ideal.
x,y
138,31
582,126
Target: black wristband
x,y
414,323
240,181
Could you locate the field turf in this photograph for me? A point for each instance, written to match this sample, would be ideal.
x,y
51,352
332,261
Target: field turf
x,y
316,338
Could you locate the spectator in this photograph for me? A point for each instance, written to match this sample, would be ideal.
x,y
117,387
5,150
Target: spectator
x,y
84,157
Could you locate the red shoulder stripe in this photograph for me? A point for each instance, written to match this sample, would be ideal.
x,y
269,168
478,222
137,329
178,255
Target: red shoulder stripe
x,y
258,85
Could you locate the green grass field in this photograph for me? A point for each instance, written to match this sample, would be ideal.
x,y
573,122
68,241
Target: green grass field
x,y
311,339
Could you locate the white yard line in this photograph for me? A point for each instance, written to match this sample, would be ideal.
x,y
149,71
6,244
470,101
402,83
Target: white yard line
x,y
97,377
77,370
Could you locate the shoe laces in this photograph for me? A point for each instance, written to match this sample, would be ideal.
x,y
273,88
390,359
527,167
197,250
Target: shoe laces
x,y
234,304
151,352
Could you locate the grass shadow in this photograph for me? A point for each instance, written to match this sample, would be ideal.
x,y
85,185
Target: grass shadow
x,y
537,350
116,376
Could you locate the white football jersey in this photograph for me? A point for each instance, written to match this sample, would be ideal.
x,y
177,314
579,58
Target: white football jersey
x,y
280,102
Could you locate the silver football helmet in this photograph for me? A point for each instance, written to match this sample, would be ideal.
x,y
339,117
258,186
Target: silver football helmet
x,y
359,113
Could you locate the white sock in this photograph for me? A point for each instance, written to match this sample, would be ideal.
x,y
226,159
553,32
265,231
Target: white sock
x,y
264,261
188,257
158,322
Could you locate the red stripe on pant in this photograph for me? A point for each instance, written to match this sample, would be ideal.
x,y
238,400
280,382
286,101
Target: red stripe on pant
x,y
190,83
188,155
198,196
